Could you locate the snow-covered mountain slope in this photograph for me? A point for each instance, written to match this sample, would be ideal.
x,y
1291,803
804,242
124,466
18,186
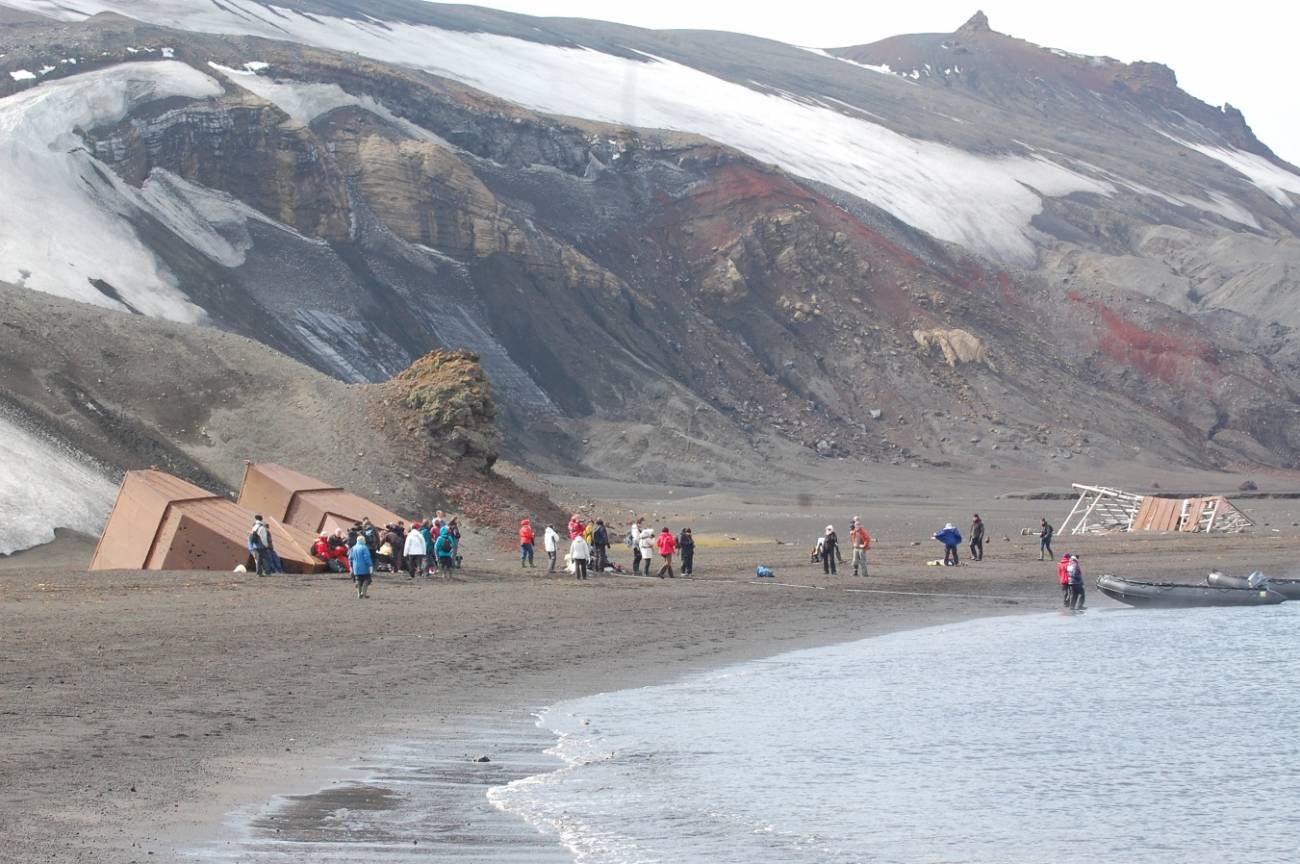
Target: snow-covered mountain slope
x,y
71,235
785,244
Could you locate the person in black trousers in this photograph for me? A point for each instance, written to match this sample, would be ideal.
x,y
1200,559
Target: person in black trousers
x,y
977,538
830,551
686,546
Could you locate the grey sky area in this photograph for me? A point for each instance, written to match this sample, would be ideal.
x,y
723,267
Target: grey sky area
x,y
1241,52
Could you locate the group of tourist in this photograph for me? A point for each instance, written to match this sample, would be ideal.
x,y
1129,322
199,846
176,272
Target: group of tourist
x,y
428,545
589,545
827,549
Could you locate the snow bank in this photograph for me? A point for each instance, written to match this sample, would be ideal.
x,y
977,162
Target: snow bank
x,y
1273,180
981,202
63,223
44,486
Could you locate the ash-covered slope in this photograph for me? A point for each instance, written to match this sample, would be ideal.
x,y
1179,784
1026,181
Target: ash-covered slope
x,y
927,275
87,393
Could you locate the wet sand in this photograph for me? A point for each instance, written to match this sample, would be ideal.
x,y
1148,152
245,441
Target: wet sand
x,y
141,708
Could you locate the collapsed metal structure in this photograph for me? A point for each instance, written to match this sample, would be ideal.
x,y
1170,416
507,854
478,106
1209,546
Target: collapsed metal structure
x,y
161,522
1102,510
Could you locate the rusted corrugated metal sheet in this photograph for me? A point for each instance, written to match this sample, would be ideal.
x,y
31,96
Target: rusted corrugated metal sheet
x,y
161,522
305,502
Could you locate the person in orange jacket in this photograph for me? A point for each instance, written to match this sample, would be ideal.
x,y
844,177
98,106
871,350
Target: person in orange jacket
x,y
667,546
526,544
1063,573
861,542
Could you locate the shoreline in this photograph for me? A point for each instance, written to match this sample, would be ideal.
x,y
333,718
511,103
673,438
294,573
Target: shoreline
x,y
149,706
268,803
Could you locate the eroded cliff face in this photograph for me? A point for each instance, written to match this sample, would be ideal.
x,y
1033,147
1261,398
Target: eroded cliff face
x,y
652,304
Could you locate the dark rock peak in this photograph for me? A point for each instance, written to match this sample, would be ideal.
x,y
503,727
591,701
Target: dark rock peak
x,y
978,23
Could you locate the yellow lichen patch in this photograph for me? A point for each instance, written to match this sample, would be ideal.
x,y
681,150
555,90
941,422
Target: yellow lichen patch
x,y
957,346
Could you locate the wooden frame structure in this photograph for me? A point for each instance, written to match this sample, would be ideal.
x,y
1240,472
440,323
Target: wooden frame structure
x,y
1102,510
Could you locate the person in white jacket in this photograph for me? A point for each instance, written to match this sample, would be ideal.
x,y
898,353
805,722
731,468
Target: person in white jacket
x,y
551,543
646,545
579,552
415,549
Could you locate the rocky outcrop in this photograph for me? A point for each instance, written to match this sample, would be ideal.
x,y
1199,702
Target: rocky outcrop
x,y
451,398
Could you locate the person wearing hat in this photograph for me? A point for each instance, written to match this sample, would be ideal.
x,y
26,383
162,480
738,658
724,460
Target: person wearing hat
x,y
830,551
1075,571
860,540
950,537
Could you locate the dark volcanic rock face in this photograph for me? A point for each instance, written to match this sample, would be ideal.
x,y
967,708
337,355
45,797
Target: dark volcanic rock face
x,y
657,304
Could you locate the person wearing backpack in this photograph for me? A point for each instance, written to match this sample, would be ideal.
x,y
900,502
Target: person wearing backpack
x,y
686,546
259,545
445,549
1045,532
861,542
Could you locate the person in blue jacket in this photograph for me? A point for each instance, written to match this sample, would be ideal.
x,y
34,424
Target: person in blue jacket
x,y
950,537
363,566
445,550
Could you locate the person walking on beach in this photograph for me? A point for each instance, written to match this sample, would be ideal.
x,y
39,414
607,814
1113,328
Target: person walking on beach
x,y
526,544
414,551
579,553
861,542
686,546
950,537
551,543
1075,571
667,546
646,544
1045,533
977,538
1063,575
830,551
363,566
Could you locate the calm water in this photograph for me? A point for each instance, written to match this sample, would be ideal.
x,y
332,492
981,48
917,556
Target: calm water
x,y
1115,736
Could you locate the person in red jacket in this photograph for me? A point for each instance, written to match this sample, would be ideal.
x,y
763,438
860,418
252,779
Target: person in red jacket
x,y
1063,573
575,526
667,546
525,544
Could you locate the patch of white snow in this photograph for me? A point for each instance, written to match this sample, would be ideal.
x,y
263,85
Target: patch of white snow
x,y
44,486
64,221
22,75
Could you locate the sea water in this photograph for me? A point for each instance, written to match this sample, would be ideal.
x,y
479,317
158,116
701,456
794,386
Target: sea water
x,y
1109,736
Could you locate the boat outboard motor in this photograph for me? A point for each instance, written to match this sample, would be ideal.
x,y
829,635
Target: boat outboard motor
x,y
1254,581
